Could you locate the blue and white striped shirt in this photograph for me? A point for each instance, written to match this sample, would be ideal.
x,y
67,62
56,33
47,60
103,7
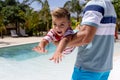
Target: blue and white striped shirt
x,y
100,14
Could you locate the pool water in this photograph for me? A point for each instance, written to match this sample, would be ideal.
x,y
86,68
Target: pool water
x,y
22,52
22,63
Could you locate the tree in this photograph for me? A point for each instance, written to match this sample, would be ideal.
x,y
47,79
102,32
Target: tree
x,y
116,4
14,12
74,7
20,14
1,25
10,2
45,14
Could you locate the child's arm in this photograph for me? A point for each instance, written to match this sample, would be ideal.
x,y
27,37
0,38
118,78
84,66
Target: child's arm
x,y
61,46
41,46
46,39
55,43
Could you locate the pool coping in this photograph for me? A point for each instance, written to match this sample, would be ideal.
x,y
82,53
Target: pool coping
x,y
9,41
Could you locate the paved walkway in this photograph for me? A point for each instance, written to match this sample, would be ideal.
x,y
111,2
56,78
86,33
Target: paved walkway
x,y
117,48
114,75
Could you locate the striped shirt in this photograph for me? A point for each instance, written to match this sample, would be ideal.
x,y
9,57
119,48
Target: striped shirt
x,y
52,36
100,14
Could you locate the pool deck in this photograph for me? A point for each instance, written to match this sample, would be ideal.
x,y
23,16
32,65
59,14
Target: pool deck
x,y
9,41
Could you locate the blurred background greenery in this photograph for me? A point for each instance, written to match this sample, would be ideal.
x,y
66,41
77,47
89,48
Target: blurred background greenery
x,y
15,14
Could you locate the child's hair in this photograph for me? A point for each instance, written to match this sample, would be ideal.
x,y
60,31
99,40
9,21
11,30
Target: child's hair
x,y
61,13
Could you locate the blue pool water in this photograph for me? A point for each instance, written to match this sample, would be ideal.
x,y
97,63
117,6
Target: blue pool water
x,y
23,52
22,63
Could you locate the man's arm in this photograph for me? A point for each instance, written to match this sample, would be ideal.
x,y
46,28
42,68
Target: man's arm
x,y
82,37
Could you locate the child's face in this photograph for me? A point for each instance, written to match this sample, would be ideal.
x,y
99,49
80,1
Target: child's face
x,y
60,25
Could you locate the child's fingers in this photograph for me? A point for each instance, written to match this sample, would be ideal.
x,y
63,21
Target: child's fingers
x,y
60,58
34,48
44,50
51,58
56,59
39,49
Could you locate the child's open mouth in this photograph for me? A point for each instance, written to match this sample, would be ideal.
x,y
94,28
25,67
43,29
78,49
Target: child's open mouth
x,y
59,32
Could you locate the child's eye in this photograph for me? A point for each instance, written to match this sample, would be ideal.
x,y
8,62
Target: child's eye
x,y
62,25
54,24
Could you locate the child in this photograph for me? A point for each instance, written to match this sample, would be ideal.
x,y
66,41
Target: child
x,y
61,32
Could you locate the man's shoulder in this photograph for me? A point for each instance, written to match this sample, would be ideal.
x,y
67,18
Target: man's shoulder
x,y
96,2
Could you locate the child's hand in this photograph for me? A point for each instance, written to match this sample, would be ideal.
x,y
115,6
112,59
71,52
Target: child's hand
x,y
39,49
55,43
57,57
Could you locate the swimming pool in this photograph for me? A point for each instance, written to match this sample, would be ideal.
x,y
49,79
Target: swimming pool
x,y
21,63
22,52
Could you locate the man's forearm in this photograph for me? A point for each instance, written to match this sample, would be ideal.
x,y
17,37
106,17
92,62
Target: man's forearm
x,y
75,41
83,37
